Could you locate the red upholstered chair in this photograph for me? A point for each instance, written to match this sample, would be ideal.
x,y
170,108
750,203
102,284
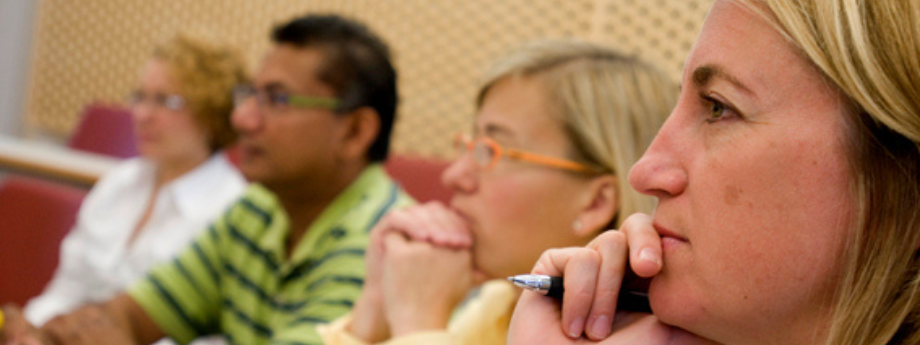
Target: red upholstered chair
x,y
233,154
106,130
34,217
420,177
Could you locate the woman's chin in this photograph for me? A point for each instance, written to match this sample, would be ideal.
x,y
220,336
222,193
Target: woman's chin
x,y
480,277
670,305
147,150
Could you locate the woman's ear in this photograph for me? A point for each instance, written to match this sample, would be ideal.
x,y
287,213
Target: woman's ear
x,y
600,205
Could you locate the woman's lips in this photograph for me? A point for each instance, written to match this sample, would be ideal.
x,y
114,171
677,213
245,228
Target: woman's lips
x,y
144,136
670,239
457,206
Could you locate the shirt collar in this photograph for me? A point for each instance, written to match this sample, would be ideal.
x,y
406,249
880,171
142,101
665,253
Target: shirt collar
x,y
191,191
372,176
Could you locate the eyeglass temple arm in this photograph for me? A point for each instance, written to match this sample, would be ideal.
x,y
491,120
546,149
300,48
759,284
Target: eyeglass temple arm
x,y
550,161
313,102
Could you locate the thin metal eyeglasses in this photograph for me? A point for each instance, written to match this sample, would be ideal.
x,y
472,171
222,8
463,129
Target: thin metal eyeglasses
x,y
487,153
274,101
164,101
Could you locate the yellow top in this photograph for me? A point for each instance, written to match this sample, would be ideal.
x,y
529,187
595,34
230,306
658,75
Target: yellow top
x,y
1,319
483,321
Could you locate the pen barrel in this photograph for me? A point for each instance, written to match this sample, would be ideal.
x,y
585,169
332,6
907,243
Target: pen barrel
x,y
556,288
637,302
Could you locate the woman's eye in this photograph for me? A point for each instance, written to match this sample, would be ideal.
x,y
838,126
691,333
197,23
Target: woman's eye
x,y
716,110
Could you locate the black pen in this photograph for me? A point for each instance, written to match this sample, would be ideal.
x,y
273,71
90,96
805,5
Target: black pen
x,y
553,287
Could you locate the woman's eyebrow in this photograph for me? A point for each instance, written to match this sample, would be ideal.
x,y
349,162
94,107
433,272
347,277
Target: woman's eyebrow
x,y
704,75
493,130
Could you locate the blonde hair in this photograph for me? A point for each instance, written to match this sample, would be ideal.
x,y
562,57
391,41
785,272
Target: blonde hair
x,y
206,73
870,50
610,105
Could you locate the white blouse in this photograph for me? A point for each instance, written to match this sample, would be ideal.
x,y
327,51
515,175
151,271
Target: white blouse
x,y
96,260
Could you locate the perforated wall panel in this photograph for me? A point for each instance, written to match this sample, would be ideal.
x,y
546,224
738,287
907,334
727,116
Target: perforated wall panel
x,y
91,50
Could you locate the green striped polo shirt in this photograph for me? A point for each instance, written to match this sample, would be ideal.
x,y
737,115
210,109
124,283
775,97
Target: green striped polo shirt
x,y
236,280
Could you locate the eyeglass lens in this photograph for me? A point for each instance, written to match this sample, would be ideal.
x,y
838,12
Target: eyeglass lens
x,y
483,153
264,98
171,102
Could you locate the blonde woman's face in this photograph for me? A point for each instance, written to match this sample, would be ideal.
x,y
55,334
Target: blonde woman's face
x,y
165,135
752,180
516,210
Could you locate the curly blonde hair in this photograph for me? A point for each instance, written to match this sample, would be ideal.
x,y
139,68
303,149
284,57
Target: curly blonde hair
x,y
206,72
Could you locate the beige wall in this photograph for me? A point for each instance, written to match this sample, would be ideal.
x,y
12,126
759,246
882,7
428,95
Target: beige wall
x,y
91,50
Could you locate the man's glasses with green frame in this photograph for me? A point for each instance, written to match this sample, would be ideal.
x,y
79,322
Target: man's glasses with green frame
x,y
273,101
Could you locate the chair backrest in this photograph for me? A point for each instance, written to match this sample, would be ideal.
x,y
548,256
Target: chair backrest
x,y
35,215
106,130
420,177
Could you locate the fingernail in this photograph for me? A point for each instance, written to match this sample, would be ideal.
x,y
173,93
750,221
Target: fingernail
x,y
648,254
600,327
577,327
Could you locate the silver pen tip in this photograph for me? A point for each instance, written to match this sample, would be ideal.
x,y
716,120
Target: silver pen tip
x,y
526,281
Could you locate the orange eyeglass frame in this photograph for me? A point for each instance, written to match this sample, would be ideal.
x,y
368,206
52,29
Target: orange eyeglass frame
x,y
519,155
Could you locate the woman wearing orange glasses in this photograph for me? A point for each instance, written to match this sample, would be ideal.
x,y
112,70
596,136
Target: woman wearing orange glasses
x,y
558,126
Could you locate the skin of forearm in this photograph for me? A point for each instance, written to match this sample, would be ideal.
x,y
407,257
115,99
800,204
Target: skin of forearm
x,y
131,317
120,318
368,319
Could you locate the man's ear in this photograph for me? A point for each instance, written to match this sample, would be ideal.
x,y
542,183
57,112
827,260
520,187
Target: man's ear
x,y
599,206
362,128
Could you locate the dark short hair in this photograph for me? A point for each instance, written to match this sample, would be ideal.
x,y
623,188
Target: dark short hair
x,y
357,66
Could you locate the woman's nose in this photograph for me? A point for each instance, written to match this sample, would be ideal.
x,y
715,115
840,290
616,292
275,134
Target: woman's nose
x,y
141,112
246,116
660,171
460,176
